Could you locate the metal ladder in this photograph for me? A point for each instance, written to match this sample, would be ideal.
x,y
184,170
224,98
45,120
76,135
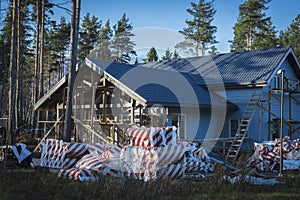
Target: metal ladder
x,y
243,128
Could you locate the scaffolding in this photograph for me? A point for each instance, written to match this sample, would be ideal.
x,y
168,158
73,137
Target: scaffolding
x,y
291,89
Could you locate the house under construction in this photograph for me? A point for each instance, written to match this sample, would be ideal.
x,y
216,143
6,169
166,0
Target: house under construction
x,y
224,99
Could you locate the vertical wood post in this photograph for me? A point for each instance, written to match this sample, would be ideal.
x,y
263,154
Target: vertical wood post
x,y
269,113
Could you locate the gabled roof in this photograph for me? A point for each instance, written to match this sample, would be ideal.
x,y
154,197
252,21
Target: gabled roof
x,y
237,68
53,97
255,68
164,87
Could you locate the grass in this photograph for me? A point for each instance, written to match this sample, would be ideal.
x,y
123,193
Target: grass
x,y
36,184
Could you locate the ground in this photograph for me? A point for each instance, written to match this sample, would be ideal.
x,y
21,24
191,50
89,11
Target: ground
x,y
26,183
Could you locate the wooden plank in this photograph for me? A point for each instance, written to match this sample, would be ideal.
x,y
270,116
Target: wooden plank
x,y
90,129
46,135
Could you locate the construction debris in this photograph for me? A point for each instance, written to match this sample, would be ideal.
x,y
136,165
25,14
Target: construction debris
x,y
153,153
251,180
266,155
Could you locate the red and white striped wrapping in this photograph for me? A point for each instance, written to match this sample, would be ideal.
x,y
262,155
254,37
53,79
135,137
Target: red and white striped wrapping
x,y
194,166
59,154
53,153
75,150
139,162
200,154
173,171
91,161
145,137
170,154
113,150
267,154
69,163
98,147
156,138
109,159
145,164
295,145
78,174
198,166
170,135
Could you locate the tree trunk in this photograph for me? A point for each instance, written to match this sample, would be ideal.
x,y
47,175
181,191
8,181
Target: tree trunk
x,y
18,55
41,52
37,67
203,48
197,48
11,129
72,67
41,114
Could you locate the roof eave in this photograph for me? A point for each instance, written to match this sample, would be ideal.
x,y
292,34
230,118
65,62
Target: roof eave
x,y
116,82
48,95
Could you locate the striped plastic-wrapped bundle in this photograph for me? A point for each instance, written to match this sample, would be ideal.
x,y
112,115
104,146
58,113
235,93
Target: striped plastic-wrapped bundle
x,y
69,163
295,145
77,174
194,166
169,134
197,160
59,154
138,162
198,167
109,159
267,154
92,161
144,164
113,151
200,154
53,153
170,154
98,147
173,171
145,137
75,150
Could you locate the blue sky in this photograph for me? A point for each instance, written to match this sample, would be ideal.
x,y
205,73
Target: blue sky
x,y
167,17
171,15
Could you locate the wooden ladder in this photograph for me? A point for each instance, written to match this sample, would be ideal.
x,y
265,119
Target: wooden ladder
x,y
243,128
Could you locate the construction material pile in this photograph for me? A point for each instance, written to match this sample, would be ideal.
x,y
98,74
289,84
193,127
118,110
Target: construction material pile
x,y
153,153
266,155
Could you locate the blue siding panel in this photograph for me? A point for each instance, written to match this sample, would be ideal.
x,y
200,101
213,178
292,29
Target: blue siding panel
x,y
258,129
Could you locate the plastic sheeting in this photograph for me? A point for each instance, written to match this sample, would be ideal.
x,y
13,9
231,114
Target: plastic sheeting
x,y
21,152
266,156
153,153
251,180
143,163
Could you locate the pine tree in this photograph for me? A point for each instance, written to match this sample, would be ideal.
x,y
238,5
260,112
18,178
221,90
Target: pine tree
x,y
88,35
41,7
267,36
200,30
175,54
24,61
59,37
11,128
213,50
122,46
102,50
291,36
151,56
253,30
76,4
168,55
